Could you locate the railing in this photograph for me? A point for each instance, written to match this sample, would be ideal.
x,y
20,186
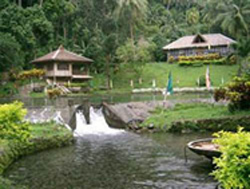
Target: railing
x,y
60,73
79,72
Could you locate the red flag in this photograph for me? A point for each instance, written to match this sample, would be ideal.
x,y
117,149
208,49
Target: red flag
x,y
208,82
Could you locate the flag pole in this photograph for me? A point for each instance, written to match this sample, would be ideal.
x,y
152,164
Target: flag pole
x,y
169,88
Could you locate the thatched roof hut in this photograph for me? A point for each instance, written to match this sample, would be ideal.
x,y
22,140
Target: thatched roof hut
x,y
196,41
200,44
62,65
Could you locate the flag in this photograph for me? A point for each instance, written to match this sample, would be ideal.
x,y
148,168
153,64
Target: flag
x,y
208,82
170,84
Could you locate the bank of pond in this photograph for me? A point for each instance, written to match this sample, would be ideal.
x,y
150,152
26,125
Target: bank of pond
x,y
195,117
43,137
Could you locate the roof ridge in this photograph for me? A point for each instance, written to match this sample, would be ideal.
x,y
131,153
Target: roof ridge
x,y
56,53
213,39
80,56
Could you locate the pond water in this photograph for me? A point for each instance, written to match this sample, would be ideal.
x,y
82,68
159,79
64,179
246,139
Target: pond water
x,y
118,161
105,158
97,99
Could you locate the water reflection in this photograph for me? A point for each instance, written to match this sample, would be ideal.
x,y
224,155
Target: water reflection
x,y
97,99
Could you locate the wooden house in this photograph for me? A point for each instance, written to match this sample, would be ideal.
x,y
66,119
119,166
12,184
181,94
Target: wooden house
x,y
64,66
200,45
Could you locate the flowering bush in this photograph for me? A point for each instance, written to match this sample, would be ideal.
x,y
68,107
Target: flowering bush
x,y
214,56
171,59
237,92
220,94
34,73
53,93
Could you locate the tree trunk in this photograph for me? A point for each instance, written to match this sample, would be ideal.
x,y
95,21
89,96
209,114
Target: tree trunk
x,y
64,29
131,31
41,3
169,4
132,37
108,58
20,3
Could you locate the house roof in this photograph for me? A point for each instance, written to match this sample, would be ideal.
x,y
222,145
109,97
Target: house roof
x,y
62,55
206,40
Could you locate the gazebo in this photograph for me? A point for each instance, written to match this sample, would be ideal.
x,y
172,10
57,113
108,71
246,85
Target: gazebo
x,y
64,66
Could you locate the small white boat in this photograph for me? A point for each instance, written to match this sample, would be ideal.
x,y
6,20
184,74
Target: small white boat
x,y
205,147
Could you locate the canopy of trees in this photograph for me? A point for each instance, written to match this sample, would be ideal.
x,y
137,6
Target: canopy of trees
x,y
102,30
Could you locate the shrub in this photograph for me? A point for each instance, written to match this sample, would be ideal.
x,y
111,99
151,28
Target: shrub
x,y
238,92
171,59
220,94
232,59
214,56
8,89
34,73
53,93
202,81
12,124
233,167
201,62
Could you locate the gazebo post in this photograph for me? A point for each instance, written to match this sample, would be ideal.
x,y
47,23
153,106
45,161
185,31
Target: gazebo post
x,y
54,75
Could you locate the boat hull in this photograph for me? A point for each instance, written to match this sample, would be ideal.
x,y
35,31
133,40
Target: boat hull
x,y
204,147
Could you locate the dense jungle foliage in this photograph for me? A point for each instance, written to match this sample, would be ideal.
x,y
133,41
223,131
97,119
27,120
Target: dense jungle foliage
x,y
113,31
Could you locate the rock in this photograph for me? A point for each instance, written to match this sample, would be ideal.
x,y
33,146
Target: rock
x,y
151,126
38,89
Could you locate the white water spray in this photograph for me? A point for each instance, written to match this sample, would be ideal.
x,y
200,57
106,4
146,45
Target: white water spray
x,y
46,115
97,126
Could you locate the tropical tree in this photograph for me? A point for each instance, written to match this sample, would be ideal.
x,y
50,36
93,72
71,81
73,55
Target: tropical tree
x,y
192,16
231,15
131,12
10,55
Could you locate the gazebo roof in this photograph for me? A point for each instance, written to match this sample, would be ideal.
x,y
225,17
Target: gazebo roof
x,y
62,55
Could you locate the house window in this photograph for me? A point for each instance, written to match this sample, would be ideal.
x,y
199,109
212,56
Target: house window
x,y
50,67
40,66
62,66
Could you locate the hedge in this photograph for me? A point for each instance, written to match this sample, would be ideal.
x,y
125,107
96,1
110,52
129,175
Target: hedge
x,y
211,125
201,63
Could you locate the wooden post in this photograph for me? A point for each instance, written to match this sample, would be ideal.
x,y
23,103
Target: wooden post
x,y
132,83
111,84
140,80
54,73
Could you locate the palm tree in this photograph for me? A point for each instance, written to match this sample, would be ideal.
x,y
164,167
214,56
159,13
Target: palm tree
x,y
132,12
192,16
232,16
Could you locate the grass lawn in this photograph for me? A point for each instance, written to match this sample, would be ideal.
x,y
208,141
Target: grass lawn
x,y
48,130
41,130
161,117
182,76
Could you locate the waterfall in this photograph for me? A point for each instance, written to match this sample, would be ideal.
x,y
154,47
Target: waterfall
x,y
97,126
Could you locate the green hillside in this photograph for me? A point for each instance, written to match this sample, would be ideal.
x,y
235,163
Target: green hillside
x,y
182,76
